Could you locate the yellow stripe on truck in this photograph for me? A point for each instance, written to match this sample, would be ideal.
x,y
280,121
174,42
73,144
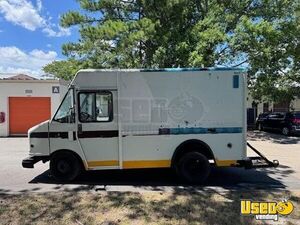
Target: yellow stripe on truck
x,y
226,162
146,164
132,164
149,163
103,163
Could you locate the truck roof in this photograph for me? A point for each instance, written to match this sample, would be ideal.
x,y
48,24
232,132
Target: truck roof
x,y
166,69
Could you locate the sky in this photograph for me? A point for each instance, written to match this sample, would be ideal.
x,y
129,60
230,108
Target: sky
x,y
30,34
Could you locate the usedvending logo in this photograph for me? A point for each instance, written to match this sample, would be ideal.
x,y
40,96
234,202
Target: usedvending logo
x,y
266,210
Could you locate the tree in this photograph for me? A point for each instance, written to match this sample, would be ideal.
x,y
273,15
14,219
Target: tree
x,y
272,45
262,35
64,69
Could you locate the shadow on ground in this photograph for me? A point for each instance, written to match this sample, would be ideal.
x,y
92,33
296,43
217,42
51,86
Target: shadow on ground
x,y
158,179
187,205
110,208
273,137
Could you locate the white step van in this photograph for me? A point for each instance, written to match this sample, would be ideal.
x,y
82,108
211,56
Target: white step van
x,y
186,119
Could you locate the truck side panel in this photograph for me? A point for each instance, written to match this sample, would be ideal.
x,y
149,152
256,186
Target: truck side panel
x,y
161,110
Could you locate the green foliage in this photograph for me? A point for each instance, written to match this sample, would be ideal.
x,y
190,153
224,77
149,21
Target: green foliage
x,y
64,69
262,35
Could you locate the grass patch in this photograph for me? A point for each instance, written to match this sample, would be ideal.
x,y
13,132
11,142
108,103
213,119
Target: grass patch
x,y
109,208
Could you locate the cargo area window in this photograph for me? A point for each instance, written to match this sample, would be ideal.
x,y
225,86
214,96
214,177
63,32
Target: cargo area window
x,y
95,106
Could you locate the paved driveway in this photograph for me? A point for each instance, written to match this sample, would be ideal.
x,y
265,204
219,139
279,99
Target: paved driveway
x,y
15,179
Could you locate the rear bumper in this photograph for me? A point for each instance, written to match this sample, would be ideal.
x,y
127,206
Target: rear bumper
x,y
30,161
295,130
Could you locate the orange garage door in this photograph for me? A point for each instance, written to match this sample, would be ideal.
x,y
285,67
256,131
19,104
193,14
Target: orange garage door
x,y
25,112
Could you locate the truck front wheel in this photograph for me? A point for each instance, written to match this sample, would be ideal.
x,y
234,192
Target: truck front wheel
x,y
64,166
193,167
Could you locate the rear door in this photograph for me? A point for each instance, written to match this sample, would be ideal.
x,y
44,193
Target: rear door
x,y
97,129
275,121
282,120
271,121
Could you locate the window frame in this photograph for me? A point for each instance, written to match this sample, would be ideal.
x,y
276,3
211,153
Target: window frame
x,y
110,106
71,89
278,116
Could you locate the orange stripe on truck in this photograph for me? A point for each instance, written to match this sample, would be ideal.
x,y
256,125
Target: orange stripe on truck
x,y
132,164
103,163
146,164
226,162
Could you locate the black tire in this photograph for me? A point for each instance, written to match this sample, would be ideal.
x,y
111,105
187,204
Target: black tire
x,y
285,131
65,166
193,167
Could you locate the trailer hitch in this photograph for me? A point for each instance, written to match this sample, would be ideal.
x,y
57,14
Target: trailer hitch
x,y
258,162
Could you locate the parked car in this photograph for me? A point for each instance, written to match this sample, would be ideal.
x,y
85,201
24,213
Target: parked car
x,y
288,123
261,117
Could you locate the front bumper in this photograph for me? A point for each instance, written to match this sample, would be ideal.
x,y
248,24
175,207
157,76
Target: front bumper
x,y
30,161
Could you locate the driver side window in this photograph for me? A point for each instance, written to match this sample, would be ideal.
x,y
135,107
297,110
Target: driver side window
x,y
95,106
65,113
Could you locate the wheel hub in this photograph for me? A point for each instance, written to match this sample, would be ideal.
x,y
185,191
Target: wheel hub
x,y
63,166
194,166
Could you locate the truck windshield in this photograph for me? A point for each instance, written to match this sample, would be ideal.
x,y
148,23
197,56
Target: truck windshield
x,y
65,112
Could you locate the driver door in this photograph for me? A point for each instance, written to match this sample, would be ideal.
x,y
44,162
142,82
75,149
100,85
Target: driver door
x,y
62,127
97,129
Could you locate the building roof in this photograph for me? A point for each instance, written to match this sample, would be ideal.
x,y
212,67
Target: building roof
x,y
23,78
20,77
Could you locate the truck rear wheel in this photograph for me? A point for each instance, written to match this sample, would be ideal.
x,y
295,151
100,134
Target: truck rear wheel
x,y
193,167
65,166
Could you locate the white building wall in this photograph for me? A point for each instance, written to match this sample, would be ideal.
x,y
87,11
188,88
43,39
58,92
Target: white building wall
x,y
40,88
249,104
296,104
